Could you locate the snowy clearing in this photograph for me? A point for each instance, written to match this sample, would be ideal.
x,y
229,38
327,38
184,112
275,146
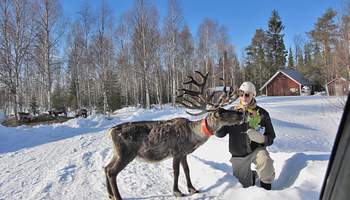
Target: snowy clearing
x,y
65,161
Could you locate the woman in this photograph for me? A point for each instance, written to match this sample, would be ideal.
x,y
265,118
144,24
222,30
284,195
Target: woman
x,y
248,141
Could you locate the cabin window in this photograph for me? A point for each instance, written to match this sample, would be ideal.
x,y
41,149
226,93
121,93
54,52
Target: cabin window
x,y
293,89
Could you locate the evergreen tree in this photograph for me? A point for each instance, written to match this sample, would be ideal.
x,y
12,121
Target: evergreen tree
x,y
299,59
276,51
322,39
307,55
306,59
58,97
313,71
72,99
256,70
290,59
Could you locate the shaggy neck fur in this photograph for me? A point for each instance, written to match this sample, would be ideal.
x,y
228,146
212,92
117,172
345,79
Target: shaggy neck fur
x,y
212,125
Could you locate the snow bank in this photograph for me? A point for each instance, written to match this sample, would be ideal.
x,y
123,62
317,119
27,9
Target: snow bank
x,y
65,161
2,116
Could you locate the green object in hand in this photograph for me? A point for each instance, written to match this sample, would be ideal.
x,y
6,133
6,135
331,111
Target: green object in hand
x,y
254,120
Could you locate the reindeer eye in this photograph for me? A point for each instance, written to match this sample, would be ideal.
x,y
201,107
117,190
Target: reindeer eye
x,y
217,114
221,111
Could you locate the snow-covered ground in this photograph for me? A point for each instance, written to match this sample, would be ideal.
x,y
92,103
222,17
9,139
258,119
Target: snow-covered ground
x,y
65,161
2,116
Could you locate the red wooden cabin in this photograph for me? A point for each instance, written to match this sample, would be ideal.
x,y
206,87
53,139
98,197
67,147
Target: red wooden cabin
x,y
284,82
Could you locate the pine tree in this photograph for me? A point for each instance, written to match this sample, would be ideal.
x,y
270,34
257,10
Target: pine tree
x,y
322,39
276,51
256,70
313,71
299,59
72,91
306,59
58,97
290,59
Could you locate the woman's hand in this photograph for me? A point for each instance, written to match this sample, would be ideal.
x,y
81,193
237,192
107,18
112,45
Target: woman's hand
x,y
255,136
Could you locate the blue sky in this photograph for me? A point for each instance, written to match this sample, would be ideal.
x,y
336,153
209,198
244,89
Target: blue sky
x,y
241,17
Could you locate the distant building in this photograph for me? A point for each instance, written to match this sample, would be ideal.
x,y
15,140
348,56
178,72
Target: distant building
x,y
285,82
337,87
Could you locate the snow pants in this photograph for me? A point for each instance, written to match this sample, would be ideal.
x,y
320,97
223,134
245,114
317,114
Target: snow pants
x,y
264,167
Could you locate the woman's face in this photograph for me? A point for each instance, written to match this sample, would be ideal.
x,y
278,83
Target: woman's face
x,y
245,97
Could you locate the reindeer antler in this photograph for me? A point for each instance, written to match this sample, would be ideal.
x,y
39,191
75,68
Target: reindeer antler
x,y
227,97
196,99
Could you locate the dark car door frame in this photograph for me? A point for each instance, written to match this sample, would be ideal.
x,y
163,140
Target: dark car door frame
x,y
336,184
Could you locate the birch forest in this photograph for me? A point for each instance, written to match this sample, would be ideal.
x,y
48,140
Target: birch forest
x,y
102,61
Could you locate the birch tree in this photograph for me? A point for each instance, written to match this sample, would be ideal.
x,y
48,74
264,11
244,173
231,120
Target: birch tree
x,y
75,51
126,70
17,33
172,25
50,26
145,45
207,47
103,52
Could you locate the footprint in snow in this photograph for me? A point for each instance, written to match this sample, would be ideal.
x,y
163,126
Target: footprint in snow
x,y
67,174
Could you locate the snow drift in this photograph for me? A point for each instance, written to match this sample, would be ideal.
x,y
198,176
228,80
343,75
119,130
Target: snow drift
x,y
65,161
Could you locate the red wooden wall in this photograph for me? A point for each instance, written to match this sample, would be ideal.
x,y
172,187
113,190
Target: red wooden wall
x,y
282,85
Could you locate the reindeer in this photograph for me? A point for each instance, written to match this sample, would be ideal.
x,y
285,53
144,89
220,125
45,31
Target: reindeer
x,y
155,141
56,112
81,113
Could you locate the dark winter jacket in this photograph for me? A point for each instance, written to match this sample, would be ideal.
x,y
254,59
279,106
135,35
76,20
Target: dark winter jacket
x,y
239,142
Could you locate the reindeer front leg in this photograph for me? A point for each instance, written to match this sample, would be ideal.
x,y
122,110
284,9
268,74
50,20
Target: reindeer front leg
x,y
176,168
186,169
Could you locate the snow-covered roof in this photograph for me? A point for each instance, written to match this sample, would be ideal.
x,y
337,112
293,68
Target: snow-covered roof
x,y
292,74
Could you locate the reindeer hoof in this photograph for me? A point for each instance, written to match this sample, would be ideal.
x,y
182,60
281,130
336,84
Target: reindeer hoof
x,y
111,197
178,194
192,190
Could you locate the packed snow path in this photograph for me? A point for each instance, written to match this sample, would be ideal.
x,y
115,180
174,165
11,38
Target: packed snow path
x,y
65,161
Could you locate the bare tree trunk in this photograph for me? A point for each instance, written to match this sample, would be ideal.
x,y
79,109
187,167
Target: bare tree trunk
x,y
105,103
158,89
223,66
89,95
169,88
148,103
174,77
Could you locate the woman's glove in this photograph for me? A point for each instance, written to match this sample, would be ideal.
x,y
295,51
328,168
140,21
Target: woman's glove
x,y
255,136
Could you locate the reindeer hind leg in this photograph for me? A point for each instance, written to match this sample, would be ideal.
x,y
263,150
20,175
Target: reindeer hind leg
x,y
176,169
109,189
122,159
186,169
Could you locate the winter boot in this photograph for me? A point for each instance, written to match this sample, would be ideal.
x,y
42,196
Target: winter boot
x,y
266,186
254,175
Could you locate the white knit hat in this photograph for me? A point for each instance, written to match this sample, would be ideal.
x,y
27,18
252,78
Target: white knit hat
x,y
248,87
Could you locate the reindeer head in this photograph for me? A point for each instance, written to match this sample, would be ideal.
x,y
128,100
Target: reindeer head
x,y
202,100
